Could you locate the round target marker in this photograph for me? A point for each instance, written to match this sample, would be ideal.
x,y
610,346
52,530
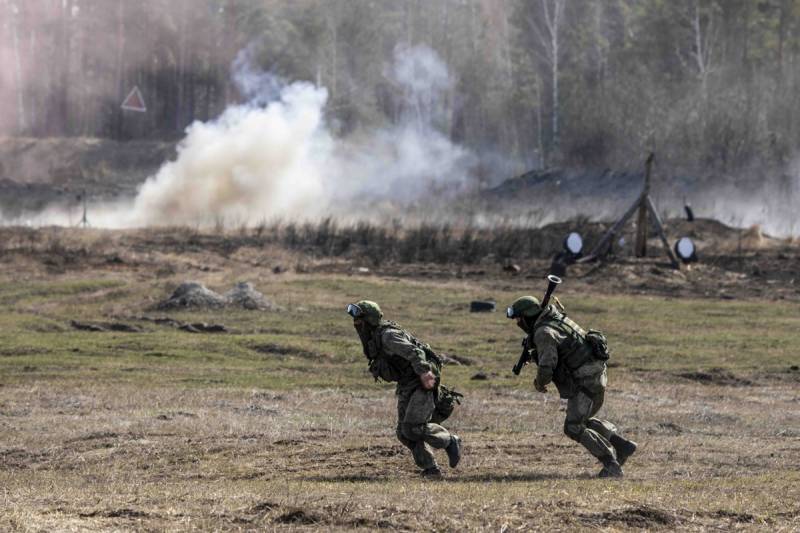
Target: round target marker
x,y
686,250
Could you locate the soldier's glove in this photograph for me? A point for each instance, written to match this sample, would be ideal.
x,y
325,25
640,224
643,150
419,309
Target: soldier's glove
x,y
538,386
428,380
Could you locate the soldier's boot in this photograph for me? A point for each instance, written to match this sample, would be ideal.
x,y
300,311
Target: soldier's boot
x,y
611,468
624,448
432,473
454,451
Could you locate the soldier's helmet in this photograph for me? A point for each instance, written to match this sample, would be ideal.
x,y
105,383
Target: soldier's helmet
x,y
367,310
526,306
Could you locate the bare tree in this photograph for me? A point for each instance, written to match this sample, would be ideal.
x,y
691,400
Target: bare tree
x,y
546,28
21,122
704,32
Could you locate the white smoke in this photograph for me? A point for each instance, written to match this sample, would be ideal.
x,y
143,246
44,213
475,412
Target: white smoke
x,y
274,156
249,164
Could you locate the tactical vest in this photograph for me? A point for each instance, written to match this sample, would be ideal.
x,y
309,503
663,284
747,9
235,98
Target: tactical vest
x,y
574,352
388,368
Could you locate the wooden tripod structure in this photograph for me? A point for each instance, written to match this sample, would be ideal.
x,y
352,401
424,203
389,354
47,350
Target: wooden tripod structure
x,y
643,204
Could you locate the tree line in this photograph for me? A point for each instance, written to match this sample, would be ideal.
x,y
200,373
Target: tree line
x,y
711,85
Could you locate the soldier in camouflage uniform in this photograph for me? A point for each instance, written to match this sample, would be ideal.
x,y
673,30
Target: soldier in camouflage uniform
x,y
560,348
395,355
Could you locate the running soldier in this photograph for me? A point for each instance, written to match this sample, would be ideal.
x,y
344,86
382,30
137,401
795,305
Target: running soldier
x,y
395,355
575,361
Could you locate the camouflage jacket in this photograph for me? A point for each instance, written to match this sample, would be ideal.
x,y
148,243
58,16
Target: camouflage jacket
x,y
397,356
563,354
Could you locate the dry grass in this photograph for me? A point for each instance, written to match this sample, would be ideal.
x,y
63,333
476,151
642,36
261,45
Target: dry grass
x,y
277,425
103,457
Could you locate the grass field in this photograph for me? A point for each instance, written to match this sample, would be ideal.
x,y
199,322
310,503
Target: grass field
x,y
277,424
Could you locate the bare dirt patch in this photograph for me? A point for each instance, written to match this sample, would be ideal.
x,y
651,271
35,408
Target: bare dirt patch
x,y
718,376
641,517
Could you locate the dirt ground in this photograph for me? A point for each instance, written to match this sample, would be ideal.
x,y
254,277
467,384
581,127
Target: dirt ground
x,y
712,456
275,425
733,263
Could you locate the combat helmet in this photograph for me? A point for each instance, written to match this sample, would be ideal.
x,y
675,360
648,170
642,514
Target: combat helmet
x,y
525,306
367,310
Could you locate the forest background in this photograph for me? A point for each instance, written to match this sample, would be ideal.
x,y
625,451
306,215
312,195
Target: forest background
x,y
713,86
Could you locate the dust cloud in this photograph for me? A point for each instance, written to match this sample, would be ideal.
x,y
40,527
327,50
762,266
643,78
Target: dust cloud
x,y
276,157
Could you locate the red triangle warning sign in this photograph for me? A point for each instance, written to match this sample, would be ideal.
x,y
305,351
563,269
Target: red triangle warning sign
x,y
134,101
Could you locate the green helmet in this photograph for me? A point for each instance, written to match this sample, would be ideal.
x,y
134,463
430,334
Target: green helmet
x,y
367,310
526,306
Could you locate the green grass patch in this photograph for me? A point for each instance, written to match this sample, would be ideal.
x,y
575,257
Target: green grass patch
x,y
312,342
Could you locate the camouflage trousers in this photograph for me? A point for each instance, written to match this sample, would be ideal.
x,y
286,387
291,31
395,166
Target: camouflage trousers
x,y
414,429
582,426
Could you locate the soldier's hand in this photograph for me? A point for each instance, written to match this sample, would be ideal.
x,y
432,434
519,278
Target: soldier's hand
x,y
428,380
538,386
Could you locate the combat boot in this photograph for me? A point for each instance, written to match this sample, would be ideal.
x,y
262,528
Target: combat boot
x,y
454,451
624,448
611,468
432,473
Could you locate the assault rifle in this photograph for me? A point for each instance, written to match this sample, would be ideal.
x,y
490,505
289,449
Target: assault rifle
x,y
527,352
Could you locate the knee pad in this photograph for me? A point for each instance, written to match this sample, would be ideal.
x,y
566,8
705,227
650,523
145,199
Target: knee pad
x,y
412,432
603,427
574,431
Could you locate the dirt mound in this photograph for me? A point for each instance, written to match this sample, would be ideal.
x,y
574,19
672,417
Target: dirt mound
x,y
298,516
634,517
37,172
191,294
243,294
194,295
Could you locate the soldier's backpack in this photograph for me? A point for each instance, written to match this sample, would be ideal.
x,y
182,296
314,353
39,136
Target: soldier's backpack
x,y
599,343
445,402
383,368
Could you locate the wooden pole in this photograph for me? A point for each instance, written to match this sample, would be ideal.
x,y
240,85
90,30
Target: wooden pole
x,y
640,248
602,246
660,229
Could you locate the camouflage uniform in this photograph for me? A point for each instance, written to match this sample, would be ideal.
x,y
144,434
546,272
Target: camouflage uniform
x,y
564,356
396,356
566,359
415,405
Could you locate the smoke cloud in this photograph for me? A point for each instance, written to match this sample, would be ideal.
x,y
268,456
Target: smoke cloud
x,y
250,163
275,156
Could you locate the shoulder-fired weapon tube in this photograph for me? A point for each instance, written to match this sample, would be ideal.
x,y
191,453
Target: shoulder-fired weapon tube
x,y
552,283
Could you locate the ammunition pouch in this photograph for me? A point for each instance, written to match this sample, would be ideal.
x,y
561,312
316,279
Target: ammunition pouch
x,y
599,343
445,401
